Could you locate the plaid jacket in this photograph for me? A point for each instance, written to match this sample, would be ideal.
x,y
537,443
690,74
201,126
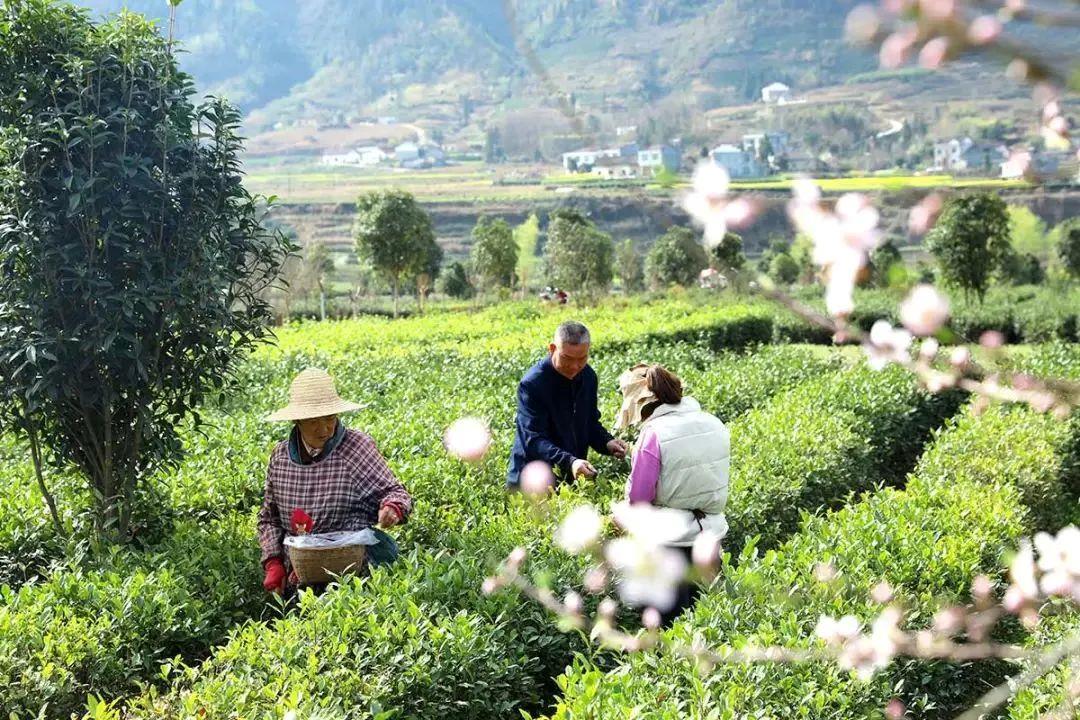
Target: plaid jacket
x,y
343,491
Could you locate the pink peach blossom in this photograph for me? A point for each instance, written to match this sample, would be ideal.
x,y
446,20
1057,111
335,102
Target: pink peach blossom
x,y
924,311
924,214
536,478
862,24
984,30
938,9
468,439
933,53
579,530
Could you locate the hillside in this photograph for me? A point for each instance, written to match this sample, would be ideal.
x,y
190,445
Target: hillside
x,y
324,61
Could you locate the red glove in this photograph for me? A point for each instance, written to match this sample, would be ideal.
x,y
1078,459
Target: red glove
x,y
275,575
396,507
301,522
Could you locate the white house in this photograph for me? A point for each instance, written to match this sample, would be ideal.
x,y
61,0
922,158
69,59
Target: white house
x,y
367,156
964,154
371,155
407,151
336,159
432,152
582,160
775,94
614,167
738,162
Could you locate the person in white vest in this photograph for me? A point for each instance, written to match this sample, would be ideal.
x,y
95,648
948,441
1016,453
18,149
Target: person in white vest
x,y
681,460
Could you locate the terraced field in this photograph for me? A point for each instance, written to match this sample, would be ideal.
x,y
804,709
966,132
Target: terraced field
x,y
832,460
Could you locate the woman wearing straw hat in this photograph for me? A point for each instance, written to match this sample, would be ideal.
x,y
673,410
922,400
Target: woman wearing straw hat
x,y
324,478
681,461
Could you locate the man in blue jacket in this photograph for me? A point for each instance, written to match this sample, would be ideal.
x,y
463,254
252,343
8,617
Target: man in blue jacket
x,y
557,417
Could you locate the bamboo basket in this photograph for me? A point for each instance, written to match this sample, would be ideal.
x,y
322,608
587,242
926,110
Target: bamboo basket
x,y
319,565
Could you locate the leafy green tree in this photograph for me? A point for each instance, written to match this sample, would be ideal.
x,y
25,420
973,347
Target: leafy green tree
x,y
728,257
802,252
666,178
494,253
629,264
884,262
777,245
577,256
526,236
395,235
319,266
493,149
971,241
1024,269
783,268
133,263
454,281
426,270
765,151
676,257
1069,246
1028,231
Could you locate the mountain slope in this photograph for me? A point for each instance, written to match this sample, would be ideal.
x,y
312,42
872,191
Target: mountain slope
x,y
315,59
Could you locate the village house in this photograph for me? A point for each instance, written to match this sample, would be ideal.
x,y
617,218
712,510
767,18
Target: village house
x,y
659,157
367,156
738,162
775,94
432,152
584,160
965,155
611,168
1044,167
407,152
780,142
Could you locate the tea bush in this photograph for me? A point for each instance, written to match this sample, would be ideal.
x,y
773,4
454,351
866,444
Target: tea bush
x,y
417,376
825,440
413,396
512,669
86,630
984,483
1024,314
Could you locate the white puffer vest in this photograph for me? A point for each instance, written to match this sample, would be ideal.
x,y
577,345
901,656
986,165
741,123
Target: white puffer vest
x,y
695,458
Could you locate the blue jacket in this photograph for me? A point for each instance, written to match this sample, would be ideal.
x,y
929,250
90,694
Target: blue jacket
x,y
557,420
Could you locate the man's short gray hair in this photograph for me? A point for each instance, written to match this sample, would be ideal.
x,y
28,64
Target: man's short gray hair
x,y
572,332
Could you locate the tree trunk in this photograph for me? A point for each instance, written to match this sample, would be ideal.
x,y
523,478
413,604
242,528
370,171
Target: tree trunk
x,y
397,282
35,454
322,304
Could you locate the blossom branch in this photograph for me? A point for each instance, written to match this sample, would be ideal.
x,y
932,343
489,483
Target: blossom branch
x,y
1044,663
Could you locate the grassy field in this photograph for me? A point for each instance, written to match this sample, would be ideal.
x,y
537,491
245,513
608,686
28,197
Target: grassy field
x,y
308,182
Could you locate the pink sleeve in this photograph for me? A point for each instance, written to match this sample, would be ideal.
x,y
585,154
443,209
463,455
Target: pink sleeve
x,y
645,471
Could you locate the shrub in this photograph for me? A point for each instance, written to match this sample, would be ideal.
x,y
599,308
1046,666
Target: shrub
x,y
955,519
816,445
104,628
972,497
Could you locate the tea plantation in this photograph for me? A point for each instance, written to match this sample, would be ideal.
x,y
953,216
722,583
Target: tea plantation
x,y
832,461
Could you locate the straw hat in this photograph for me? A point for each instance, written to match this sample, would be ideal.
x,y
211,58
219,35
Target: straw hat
x,y
636,395
312,395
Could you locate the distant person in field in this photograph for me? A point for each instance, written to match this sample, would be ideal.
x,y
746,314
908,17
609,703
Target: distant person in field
x,y
557,416
681,459
324,477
